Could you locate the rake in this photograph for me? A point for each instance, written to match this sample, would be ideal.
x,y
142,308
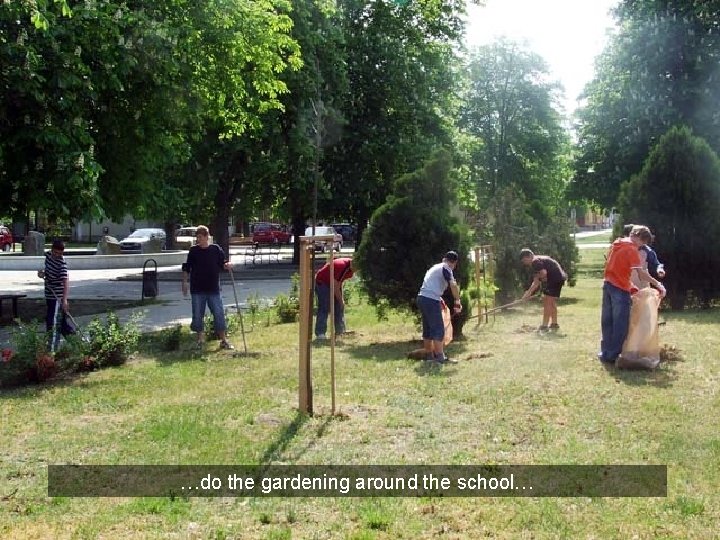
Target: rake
x,y
239,312
500,308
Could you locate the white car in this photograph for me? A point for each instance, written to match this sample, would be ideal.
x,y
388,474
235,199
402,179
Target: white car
x,y
185,237
137,239
325,231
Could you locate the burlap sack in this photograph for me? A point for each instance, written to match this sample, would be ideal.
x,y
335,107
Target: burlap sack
x,y
447,322
641,349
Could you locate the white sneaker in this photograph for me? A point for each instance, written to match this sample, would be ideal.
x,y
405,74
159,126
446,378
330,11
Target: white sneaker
x,y
321,337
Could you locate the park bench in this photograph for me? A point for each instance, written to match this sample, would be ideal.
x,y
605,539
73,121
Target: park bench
x,y
14,299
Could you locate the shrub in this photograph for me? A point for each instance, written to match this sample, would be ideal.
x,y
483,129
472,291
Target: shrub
x,y
19,365
515,227
170,338
232,324
253,307
110,342
458,321
287,308
677,195
408,234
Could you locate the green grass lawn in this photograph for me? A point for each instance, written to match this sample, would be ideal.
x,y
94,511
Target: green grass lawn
x,y
515,397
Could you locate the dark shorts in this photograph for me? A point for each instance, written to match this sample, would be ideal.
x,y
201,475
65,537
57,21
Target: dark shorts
x,y
553,288
432,321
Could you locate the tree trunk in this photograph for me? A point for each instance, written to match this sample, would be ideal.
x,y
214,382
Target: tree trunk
x,y
219,227
229,189
362,219
170,230
298,225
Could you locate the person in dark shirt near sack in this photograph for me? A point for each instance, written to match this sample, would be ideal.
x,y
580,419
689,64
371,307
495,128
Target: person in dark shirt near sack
x,y
203,266
648,259
342,271
547,271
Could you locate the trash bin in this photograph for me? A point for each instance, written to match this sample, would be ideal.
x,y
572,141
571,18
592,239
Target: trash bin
x,y
149,281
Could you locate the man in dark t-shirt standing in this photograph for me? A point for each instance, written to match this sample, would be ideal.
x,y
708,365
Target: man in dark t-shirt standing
x,y
548,271
203,265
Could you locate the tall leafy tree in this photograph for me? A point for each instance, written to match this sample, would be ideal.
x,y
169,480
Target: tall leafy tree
x,y
401,64
46,147
234,52
103,109
659,70
88,125
516,158
310,120
511,105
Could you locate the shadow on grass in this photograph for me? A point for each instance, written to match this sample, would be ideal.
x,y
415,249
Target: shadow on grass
x,y
69,378
276,450
166,353
425,368
168,350
398,350
694,316
662,377
383,351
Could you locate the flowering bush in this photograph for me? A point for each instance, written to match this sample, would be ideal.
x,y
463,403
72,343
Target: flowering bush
x,y
106,343
45,367
20,366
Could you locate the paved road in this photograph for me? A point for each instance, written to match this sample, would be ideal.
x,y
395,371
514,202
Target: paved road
x,y
172,307
588,234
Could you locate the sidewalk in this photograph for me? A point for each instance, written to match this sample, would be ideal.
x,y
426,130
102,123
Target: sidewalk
x,y
169,308
588,234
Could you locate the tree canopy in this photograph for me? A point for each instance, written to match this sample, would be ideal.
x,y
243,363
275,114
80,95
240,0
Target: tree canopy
x,y
659,70
104,104
511,105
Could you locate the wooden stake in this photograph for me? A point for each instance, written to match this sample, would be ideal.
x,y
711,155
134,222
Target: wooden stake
x,y
307,278
305,397
331,258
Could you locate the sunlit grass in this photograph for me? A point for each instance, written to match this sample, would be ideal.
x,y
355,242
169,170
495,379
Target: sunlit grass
x,y
515,397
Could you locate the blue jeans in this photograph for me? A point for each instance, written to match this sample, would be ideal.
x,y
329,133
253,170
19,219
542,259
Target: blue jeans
x,y
323,310
615,320
214,302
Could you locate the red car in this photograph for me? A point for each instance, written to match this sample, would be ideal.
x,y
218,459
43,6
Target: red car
x,y
6,239
270,233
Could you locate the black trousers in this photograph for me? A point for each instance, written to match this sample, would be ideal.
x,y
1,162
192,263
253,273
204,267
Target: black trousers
x,y
64,327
